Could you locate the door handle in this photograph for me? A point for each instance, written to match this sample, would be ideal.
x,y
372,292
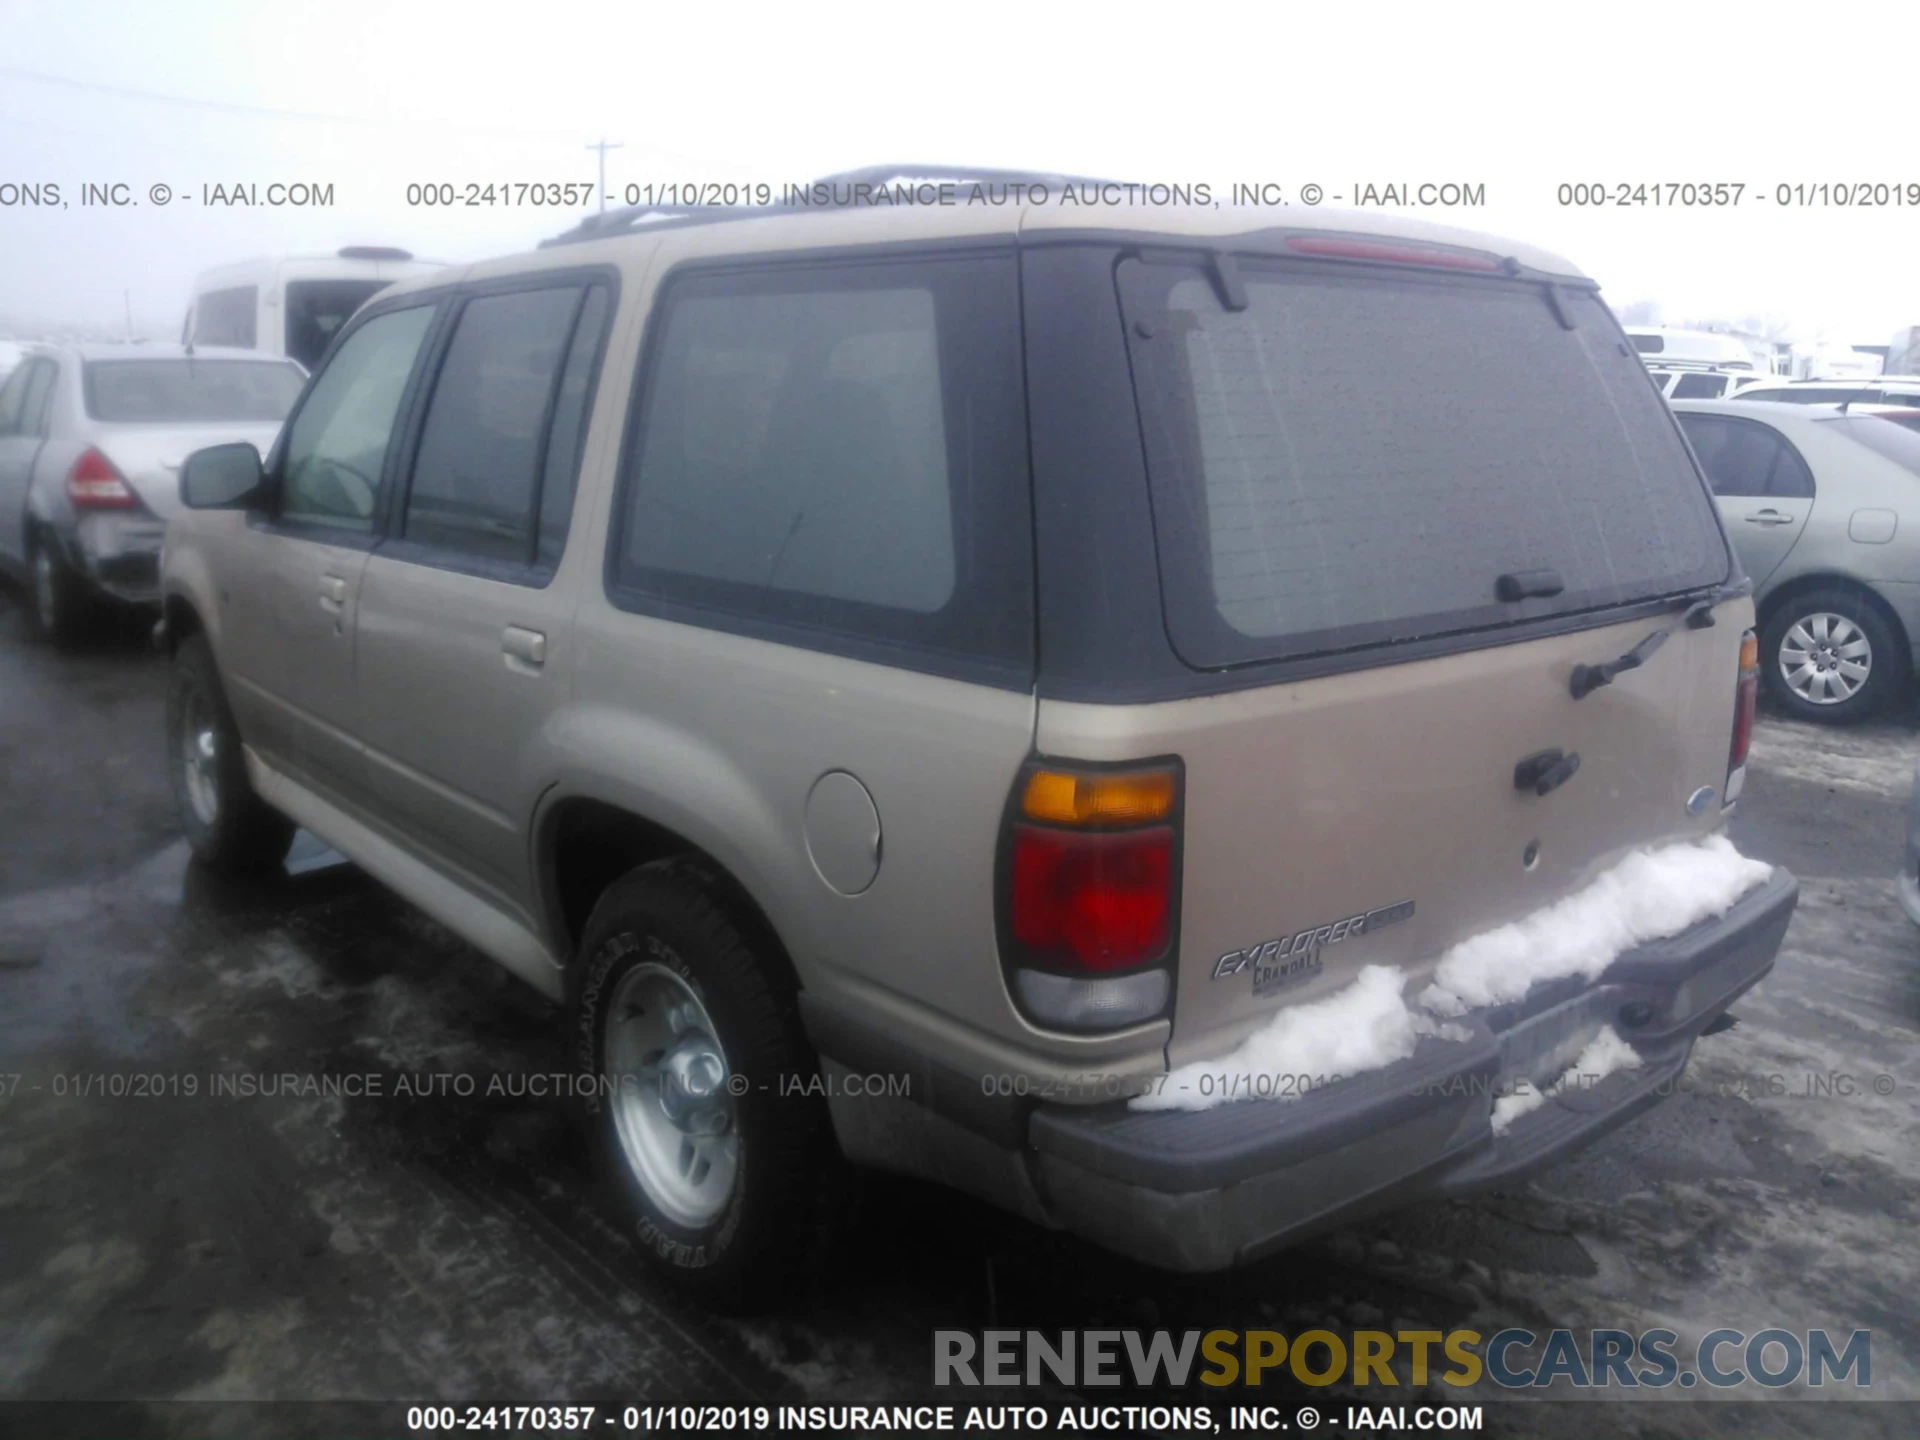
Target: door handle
x,y
333,593
528,646
1769,517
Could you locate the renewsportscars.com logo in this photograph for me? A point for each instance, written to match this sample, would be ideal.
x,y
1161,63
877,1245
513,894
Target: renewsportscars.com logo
x,y
1512,1359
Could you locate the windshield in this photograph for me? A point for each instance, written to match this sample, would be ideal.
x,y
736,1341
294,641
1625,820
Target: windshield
x,y
172,392
316,309
1889,439
1357,456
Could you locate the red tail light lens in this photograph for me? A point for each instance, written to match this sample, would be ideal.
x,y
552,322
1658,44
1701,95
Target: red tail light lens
x,y
1747,696
94,484
1092,902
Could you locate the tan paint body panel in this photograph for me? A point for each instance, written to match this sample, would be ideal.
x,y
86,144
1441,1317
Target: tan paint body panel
x,y
1305,802
1310,802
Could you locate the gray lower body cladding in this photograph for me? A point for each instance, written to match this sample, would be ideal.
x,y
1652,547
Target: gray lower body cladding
x,y
1199,1191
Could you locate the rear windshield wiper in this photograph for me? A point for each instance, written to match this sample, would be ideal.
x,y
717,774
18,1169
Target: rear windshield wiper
x,y
1697,616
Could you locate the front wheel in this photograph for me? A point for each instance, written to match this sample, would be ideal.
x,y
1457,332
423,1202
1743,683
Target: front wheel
x,y
1831,656
713,1142
231,829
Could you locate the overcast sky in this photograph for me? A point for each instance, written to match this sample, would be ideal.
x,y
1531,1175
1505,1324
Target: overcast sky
x,y
372,96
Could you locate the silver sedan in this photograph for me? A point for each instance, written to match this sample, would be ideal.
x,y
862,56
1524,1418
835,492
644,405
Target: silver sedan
x,y
1824,507
91,442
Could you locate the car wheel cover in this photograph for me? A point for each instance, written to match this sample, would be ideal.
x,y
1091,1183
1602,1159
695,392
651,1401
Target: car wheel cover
x,y
1825,658
199,758
673,1110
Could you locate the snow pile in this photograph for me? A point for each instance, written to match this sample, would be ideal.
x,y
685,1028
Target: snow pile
x,y
1362,1027
1369,1024
1648,896
1605,1053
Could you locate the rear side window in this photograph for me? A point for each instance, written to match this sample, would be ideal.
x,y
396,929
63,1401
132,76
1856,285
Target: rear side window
x,y
483,446
561,469
227,317
1699,387
23,405
1744,457
1356,456
13,398
838,450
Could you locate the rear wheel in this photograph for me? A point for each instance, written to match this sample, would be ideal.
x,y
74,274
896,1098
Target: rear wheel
x,y
231,829
715,1164
1831,655
59,605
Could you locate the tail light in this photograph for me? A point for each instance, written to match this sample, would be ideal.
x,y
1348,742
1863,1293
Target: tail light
x,y
94,484
1090,888
1746,698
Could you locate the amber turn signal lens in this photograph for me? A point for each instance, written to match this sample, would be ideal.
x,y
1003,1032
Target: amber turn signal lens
x,y
1749,651
1118,799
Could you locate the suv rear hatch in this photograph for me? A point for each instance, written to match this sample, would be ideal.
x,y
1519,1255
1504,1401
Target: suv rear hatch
x,y
1347,450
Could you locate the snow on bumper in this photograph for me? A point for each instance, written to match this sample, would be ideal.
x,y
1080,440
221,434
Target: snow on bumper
x,y
1202,1190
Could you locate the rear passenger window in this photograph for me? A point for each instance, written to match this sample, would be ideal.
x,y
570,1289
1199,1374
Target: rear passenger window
x,y
840,448
1698,387
1790,480
503,425
1743,457
562,466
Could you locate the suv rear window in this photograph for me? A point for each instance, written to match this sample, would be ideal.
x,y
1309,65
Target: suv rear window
x,y
1356,456
174,392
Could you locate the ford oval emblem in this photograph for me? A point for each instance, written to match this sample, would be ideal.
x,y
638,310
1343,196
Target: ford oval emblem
x,y
1698,801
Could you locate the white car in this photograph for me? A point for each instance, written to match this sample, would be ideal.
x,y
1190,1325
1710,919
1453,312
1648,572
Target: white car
x,y
292,305
1881,389
1702,382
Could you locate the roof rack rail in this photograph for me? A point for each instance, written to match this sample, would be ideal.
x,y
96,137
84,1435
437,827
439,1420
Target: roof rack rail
x,y
636,217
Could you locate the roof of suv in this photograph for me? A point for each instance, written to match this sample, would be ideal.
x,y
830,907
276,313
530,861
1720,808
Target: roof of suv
x,y
780,228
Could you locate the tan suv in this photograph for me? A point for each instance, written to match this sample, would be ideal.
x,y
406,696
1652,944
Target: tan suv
x,y
913,678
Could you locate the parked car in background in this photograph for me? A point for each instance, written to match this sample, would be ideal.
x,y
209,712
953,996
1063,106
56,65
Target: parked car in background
x,y
1660,344
91,442
1701,382
1824,508
292,305
1907,417
1883,389
1106,564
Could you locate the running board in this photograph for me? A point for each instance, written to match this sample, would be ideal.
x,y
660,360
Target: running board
x,y
472,917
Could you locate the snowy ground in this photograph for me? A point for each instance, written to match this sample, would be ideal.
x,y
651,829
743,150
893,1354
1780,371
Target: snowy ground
x,y
437,1249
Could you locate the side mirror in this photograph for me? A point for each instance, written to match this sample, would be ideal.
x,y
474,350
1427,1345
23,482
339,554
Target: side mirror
x,y
222,477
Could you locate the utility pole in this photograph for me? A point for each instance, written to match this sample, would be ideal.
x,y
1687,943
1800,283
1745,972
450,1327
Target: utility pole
x,y
603,147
